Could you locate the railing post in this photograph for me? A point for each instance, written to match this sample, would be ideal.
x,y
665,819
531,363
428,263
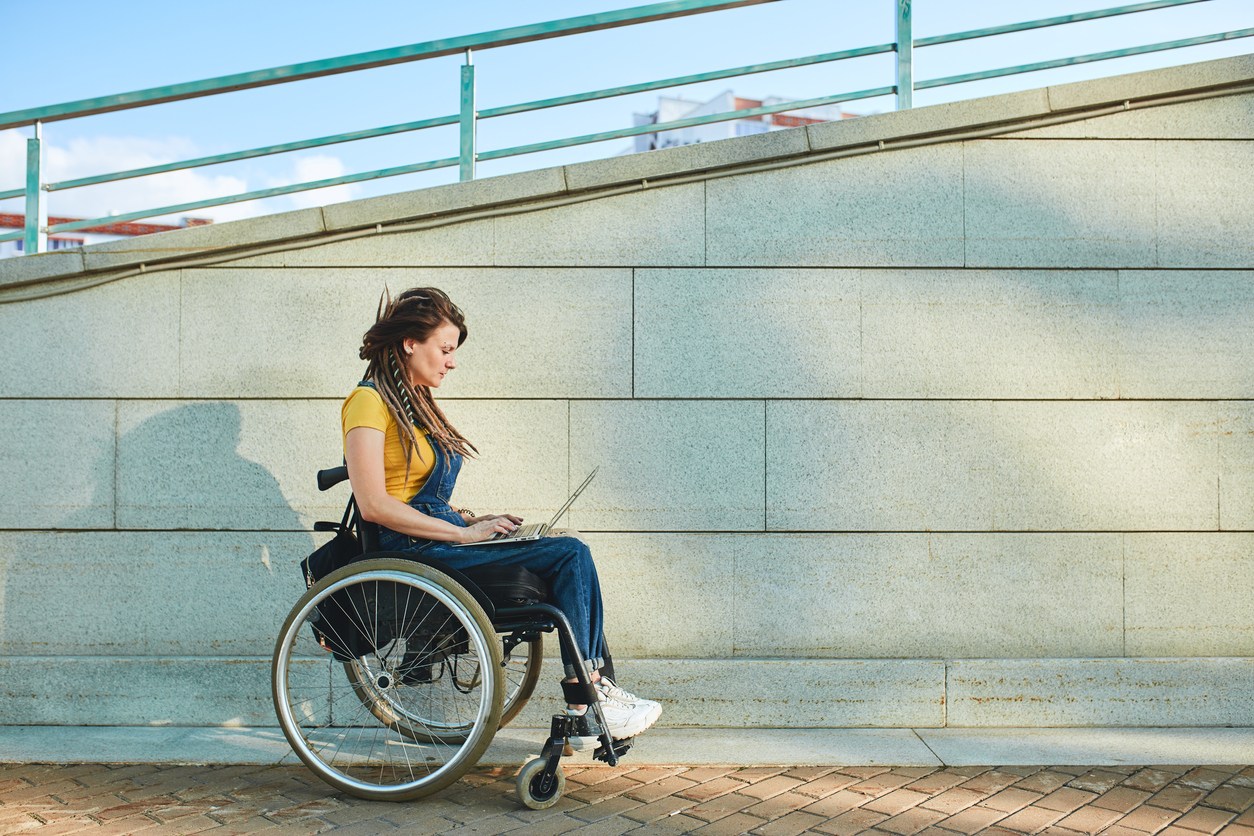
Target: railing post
x,y
905,56
469,120
36,239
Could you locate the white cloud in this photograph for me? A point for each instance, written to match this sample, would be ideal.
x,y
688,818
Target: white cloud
x,y
95,155
312,168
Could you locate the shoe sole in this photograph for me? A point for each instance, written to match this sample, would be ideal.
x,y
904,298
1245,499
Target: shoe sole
x,y
623,733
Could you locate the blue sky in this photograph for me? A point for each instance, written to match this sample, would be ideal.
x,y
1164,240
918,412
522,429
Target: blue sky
x,y
84,49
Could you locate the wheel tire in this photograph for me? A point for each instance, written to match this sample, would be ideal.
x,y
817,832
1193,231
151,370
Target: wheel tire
x,y
339,735
528,781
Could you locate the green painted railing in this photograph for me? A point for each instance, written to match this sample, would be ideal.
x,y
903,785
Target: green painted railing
x,y
468,116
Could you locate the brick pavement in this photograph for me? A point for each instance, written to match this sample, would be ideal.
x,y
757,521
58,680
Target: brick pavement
x,y
772,801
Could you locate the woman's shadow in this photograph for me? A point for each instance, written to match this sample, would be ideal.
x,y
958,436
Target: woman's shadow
x,y
195,574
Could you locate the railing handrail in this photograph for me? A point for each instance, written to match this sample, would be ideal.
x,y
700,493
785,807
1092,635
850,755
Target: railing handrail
x,y
368,60
469,115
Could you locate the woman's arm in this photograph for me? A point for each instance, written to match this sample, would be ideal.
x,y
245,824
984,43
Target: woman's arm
x,y
364,455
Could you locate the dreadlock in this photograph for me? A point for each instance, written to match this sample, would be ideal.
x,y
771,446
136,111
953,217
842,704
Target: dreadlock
x,y
416,313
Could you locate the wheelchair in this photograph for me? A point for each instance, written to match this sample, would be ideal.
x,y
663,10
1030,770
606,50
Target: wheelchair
x,y
392,674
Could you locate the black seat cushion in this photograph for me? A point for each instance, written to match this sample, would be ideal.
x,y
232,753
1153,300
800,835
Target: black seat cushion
x,y
508,586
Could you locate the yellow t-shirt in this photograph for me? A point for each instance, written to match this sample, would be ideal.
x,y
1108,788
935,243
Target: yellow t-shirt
x,y
365,408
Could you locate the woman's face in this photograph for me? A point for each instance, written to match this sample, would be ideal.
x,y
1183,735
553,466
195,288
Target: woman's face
x,y
428,361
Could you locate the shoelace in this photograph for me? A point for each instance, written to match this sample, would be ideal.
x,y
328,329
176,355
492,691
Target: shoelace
x,y
609,686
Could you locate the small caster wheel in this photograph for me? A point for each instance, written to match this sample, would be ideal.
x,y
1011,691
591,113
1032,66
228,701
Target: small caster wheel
x,y
530,791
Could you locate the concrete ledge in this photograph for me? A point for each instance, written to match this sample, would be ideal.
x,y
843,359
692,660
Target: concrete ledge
x,y
688,159
1188,78
691,747
455,196
32,268
203,240
922,121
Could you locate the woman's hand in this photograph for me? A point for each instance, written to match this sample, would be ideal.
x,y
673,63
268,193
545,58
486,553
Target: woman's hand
x,y
485,528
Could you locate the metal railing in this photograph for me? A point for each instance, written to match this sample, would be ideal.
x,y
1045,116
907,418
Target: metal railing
x,y
36,189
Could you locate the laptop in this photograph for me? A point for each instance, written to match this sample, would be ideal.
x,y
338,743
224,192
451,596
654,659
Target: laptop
x,y
533,531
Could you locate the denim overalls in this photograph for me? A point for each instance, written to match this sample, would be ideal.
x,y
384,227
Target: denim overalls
x,y
565,563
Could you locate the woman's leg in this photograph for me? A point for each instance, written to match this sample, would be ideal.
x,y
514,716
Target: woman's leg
x,y
565,564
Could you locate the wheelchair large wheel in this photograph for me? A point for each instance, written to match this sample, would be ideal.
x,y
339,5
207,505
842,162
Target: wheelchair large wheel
x,y
520,670
382,610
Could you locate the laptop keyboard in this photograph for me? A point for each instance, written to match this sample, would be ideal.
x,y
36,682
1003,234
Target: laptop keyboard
x,y
521,531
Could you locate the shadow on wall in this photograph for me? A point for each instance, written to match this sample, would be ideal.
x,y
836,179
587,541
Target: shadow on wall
x,y
168,616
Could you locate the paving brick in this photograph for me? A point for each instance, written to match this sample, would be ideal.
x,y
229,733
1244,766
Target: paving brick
x,y
972,820
993,780
1151,779
755,774
1030,819
880,784
1204,819
1066,799
1045,781
1229,797
660,789
837,803
779,805
1010,800
863,772
935,783
1177,797
1098,781
854,821
554,825
617,785
711,789
911,821
896,801
827,784
701,774
1204,778
1088,819
1148,819
1121,799
604,809
721,807
768,787
661,808
794,823
734,824
954,800
809,774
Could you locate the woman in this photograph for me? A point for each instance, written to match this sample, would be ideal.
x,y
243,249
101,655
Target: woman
x,y
403,457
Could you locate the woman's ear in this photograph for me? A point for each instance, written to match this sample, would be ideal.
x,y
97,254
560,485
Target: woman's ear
x,y
408,345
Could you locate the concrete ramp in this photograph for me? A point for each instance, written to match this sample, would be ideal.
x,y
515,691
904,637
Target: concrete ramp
x,y
934,418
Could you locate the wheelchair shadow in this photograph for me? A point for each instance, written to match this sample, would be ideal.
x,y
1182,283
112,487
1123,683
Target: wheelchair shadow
x,y
192,576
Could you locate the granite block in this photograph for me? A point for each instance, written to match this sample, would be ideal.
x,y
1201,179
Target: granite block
x,y
899,208
668,465
746,333
1040,203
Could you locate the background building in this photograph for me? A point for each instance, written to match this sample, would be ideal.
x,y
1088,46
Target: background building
x,y
90,235
671,108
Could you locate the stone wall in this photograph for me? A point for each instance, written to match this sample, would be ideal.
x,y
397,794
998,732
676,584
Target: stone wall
x,y
953,434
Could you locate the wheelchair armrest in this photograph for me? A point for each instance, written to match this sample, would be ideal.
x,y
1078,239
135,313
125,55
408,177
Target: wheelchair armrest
x,y
331,477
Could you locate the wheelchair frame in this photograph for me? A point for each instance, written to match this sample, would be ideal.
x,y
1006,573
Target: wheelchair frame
x,y
405,714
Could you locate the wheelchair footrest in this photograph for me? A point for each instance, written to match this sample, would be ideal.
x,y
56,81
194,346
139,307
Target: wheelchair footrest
x,y
620,749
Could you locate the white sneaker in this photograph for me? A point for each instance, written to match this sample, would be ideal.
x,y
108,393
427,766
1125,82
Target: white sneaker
x,y
623,720
611,689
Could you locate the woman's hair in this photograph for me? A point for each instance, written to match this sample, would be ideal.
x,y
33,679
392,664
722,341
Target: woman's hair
x,y
416,313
